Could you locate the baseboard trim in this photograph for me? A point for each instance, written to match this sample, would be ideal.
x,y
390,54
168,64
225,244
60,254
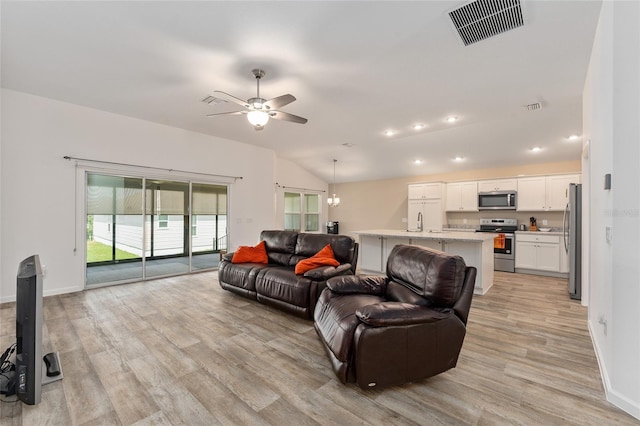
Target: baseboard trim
x,y
620,401
540,272
46,293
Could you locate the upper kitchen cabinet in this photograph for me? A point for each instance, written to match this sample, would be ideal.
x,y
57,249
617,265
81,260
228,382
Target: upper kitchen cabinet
x,y
422,191
545,193
497,185
462,196
558,190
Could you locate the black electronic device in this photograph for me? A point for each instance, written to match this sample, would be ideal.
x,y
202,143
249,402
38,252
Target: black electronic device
x,y
29,330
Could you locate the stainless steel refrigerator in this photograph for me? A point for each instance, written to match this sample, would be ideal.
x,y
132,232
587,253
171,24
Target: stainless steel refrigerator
x,y
572,230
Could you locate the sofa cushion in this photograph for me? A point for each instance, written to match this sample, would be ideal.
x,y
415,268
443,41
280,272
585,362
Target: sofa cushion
x,y
343,246
436,275
247,254
240,275
280,245
324,257
280,283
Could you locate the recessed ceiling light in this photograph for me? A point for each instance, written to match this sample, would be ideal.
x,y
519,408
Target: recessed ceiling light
x,y
573,137
419,126
536,149
451,119
418,161
458,158
389,132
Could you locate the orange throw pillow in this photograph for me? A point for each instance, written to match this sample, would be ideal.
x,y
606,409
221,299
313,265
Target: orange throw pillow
x,y
324,257
247,254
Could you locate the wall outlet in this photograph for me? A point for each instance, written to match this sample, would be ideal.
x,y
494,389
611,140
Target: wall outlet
x,y
545,222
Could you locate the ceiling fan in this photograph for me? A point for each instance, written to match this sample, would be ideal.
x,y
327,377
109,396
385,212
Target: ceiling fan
x,y
259,110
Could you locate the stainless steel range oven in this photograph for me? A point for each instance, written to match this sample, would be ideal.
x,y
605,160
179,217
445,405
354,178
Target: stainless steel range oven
x,y
504,247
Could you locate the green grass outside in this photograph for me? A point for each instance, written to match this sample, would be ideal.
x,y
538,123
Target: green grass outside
x,y
98,252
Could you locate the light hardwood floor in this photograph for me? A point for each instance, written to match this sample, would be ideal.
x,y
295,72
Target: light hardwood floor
x,y
183,351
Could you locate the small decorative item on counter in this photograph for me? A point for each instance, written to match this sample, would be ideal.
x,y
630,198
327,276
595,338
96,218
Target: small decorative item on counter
x,y
533,226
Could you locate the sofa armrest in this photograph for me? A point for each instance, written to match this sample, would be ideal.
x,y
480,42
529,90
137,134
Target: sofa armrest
x,y
227,256
358,284
323,273
396,313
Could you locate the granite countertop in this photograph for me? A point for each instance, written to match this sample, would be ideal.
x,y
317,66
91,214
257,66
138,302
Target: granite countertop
x,y
456,235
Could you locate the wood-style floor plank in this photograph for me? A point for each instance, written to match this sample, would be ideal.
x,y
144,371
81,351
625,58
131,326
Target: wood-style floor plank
x,y
181,350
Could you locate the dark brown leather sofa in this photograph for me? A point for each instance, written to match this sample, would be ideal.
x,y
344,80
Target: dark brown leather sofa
x,y
276,283
382,331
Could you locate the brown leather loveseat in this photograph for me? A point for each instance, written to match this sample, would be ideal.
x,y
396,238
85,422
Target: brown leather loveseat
x,y
276,283
382,331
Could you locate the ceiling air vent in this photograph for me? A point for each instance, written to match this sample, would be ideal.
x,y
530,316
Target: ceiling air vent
x,y
213,100
533,107
482,19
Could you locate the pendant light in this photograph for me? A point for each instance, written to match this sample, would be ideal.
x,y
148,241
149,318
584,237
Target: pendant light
x,y
334,201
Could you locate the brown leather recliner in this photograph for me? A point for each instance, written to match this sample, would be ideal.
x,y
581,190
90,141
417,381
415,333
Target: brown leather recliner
x,y
382,331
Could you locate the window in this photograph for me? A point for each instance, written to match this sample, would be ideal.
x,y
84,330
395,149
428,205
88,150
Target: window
x,y
163,221
302,212
312,212
194,225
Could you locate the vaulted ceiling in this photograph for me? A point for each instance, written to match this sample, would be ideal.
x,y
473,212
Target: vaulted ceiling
x,y
356,68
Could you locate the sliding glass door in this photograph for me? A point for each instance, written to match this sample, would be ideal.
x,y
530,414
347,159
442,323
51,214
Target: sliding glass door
x,y
142,228
208,224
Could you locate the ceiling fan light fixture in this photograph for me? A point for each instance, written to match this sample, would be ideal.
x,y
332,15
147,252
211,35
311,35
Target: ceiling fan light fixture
x,y
258,118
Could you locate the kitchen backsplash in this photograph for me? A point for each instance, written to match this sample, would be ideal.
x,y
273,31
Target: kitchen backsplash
x,y
471,220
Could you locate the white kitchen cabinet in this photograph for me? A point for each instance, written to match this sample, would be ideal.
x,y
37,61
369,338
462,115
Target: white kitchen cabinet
x,y
544,193
433,214
538,252
462,196
497,185
375,250
558,190
422,191
432,244
370,253
532,194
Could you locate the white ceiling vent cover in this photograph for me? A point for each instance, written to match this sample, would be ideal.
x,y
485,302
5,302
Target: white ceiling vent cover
x,y
482,19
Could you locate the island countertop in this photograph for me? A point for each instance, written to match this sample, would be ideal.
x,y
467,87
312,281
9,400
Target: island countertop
x,y
430,235
476,248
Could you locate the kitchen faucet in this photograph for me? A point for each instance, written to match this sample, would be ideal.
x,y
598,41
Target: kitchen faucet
x,y
420,223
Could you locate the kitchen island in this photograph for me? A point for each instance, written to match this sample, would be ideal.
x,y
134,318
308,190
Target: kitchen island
x,y
475,248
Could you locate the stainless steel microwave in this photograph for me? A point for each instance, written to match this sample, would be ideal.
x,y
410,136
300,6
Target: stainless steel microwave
x,y
498,200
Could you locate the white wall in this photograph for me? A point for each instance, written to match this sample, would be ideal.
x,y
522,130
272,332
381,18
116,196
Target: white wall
x,y
37,184
612,124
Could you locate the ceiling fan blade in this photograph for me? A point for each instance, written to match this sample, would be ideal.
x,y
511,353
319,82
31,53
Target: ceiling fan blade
x,y
280,101
279,115
232,98
227,113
